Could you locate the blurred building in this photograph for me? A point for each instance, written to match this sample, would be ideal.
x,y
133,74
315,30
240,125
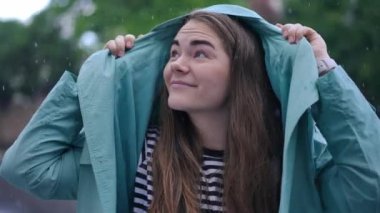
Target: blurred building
x,y
271,10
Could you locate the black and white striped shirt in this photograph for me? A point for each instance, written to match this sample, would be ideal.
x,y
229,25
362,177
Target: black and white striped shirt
x,y
211,189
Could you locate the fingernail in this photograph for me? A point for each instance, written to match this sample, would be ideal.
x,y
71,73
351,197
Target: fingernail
x,y
292,40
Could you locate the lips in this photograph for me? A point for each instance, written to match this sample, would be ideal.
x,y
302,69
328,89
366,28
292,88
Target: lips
x,y
177,83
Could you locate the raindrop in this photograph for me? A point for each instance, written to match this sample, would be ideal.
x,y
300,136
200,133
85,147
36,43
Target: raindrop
x,y
367,48
290,11
35,44
152,17
3,88
36,61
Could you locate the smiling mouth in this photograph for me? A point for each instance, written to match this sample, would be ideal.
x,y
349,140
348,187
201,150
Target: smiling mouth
x,y
181,84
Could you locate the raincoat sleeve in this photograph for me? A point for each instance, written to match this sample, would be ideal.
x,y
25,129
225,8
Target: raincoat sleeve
x,y
44,160
349,182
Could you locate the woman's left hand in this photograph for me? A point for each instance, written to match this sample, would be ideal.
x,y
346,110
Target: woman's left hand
x,y
294,32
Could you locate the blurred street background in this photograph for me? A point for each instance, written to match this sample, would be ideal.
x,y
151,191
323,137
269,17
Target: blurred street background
x,y
61,34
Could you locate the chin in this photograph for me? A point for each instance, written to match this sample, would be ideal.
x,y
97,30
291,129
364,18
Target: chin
x,y
177,105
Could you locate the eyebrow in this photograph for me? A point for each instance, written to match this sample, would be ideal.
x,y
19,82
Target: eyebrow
x,y
195,43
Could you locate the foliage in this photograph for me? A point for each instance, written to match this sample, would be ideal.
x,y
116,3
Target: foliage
x,y
137,16
32,57
351,30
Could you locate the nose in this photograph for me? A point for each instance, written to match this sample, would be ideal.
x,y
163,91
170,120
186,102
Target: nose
x,y
181,64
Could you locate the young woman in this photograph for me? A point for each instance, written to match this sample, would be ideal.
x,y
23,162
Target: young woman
x,y
215,74
222,141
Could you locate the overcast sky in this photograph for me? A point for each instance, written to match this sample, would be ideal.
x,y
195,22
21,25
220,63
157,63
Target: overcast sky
x,y
21,10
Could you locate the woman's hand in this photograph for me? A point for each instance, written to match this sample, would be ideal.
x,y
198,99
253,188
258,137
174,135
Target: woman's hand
x,y
120,44
294,32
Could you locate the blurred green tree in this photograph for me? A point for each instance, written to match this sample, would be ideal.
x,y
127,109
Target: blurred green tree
x,y
33,56
115,17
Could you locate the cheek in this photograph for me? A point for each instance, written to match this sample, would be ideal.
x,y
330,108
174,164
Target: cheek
x,y
166,74
224,84
216,86
221,80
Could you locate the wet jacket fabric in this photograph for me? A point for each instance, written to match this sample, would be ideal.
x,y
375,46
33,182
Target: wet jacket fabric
x,y
84,141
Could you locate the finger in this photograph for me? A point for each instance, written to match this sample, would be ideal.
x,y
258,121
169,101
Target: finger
x,y
292,29
279,25
120,45
111,46
108,45
129,40
296,32
285,30
299,32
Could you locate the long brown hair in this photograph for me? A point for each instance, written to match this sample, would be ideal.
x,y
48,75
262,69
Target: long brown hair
x,y
253,154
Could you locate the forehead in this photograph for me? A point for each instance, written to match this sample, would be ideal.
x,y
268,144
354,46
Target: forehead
x,y
196,29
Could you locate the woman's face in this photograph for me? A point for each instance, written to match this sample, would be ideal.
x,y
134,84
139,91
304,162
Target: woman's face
x,y
197,73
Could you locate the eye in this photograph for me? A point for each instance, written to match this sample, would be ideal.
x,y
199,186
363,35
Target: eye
x,y
174,54
200,54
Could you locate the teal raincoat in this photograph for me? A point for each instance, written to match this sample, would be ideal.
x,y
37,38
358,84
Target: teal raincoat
x,y
85,139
